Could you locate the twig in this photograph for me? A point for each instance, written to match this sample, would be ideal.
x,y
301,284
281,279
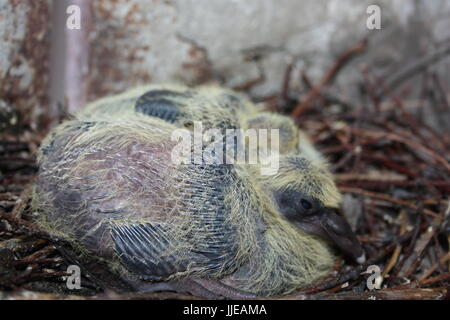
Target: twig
x,y
414,145
22,202
389,199
422,243
329,76
442,277
408,72
433,268
386,294
394,258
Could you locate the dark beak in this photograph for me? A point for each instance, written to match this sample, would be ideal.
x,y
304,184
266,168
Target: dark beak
x,y
329,225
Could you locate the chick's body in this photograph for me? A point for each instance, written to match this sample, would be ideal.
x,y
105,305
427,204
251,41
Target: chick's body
x,y
107,183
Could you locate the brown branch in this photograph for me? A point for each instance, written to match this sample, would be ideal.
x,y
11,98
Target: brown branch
x,y
389,199
433,268
439,278
398,138
408,72
329,76
386,294
22,202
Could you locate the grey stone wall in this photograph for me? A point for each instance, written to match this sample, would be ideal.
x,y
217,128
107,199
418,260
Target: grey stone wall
x,y
195,41
24,59
199,40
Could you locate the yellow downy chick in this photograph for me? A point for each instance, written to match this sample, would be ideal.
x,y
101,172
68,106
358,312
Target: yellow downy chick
x,y
108,184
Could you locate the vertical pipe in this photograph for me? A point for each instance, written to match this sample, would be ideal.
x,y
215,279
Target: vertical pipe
x,y
69,64
77,58
57,61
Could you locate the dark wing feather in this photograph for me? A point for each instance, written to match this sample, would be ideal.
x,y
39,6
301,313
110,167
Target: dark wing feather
x,y
140,247
164,104
145,248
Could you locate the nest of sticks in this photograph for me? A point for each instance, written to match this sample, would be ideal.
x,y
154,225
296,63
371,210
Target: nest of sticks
x,y
392,168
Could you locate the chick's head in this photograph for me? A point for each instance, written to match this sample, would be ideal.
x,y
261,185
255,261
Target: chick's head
x,y
303,193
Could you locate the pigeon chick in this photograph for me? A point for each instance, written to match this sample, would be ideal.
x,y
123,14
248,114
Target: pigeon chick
x,y
108,184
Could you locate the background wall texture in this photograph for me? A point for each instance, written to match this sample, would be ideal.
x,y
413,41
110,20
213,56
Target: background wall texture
x,y
24,58
140,41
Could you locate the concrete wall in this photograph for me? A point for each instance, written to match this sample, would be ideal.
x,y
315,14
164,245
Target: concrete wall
x,y
139,41
198,40
24,59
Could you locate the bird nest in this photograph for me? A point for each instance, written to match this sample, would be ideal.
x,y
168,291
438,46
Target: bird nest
x,y
392,168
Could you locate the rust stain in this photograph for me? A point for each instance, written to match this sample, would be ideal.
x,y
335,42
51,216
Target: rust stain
x,y
30,103
113,52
